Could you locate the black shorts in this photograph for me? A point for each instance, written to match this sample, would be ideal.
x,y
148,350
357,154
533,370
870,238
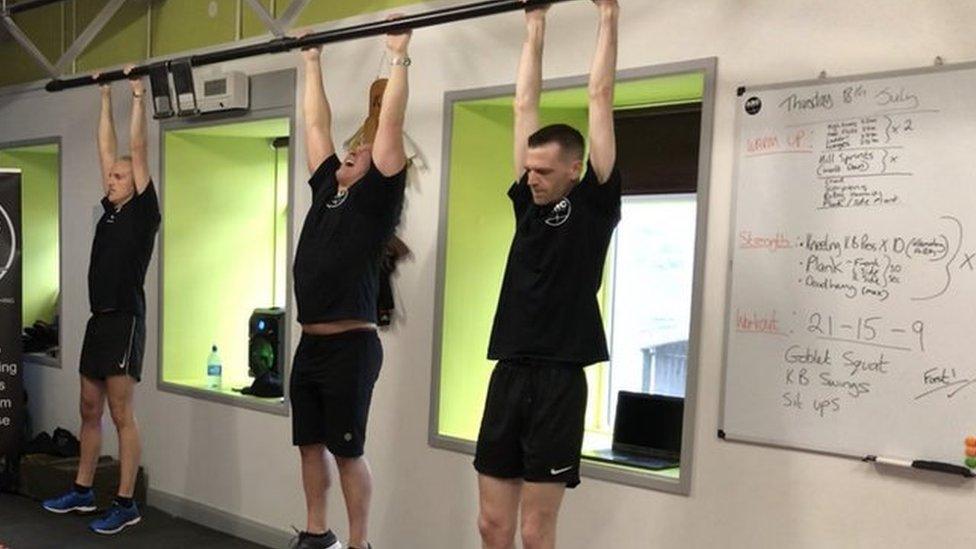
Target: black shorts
x,y
532,427
332,381
114,345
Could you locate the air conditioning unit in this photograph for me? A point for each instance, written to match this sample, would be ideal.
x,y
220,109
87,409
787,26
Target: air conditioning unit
x,y
224,92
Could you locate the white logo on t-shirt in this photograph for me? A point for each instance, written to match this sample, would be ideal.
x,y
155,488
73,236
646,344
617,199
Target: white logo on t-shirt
x,y
337,200
560,213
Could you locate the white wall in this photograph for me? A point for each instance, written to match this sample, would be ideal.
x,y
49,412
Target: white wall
x,y
742,496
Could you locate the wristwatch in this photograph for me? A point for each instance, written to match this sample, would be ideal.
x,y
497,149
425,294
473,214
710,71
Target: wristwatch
x,y
402,61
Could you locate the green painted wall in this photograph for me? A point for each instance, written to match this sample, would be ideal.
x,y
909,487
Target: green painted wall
x,y
321,12
251,25
658,91
479,232
218,248
45,26
181,25
124,39
142,29
40,228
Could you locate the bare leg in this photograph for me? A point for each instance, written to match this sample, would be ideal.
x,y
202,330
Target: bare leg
x,y
357,488
498,516
540,509
92,406
121,405
316,479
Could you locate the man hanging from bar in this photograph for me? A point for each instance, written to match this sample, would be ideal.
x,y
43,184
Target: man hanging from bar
x,y
547,325
356,205
111,356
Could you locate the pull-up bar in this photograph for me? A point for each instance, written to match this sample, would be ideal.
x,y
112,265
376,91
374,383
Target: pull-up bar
x,y
278,45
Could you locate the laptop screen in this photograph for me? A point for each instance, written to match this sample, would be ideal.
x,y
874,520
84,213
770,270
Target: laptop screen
x,y
649,421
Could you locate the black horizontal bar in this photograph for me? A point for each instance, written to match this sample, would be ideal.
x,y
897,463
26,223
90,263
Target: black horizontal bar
x,y
26,5
278,45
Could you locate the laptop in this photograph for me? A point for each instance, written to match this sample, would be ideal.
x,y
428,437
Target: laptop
x,y
646,432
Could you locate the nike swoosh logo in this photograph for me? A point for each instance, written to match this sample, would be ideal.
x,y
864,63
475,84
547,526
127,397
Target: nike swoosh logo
x,y
555,472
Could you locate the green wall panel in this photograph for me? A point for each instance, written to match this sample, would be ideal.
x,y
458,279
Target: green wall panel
x,y
123,40
182,25
219,233
320,12
45,27
662,90
251,25
39,228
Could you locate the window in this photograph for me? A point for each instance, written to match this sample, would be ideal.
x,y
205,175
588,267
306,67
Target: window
x,y
224,249
40,166
653,267
654,263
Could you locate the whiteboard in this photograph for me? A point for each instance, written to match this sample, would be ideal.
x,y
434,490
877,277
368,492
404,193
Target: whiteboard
x,y
851,314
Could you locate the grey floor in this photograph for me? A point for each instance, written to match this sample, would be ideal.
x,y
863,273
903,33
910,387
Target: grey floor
x,y
25,525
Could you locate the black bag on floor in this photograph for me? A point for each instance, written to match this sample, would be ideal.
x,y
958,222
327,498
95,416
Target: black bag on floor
x,y
10,461
62,444
65,443
267,385
9,472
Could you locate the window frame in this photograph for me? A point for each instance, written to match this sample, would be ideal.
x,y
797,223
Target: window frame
x,y
267,105
591,469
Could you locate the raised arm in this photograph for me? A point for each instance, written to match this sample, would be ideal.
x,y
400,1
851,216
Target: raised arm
x,y
138,147
528,87
107,143
603,141
388,152
318,114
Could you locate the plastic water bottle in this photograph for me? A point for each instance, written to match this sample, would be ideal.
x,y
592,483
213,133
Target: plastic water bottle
x,y
214,369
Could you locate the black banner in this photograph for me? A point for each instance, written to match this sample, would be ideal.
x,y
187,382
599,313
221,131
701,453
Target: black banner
x,y
11,376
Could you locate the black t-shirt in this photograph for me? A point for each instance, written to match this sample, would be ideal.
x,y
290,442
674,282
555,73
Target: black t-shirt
x,y
337,264
123,245
548,305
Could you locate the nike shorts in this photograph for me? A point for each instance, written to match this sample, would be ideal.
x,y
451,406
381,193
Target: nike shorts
x,y
113,346
532,427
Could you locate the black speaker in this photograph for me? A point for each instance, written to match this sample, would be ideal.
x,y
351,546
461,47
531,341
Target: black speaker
x,y
266,342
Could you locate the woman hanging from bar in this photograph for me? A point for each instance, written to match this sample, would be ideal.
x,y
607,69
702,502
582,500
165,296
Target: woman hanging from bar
x,y
356,205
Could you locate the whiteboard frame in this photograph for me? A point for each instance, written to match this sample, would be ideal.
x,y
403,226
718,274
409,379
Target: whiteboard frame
x,y
742,91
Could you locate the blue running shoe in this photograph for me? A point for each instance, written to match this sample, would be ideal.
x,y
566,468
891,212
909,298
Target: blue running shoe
x,y
72,501
116,519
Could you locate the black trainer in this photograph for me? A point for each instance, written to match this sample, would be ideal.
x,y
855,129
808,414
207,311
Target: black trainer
x,y
327,540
